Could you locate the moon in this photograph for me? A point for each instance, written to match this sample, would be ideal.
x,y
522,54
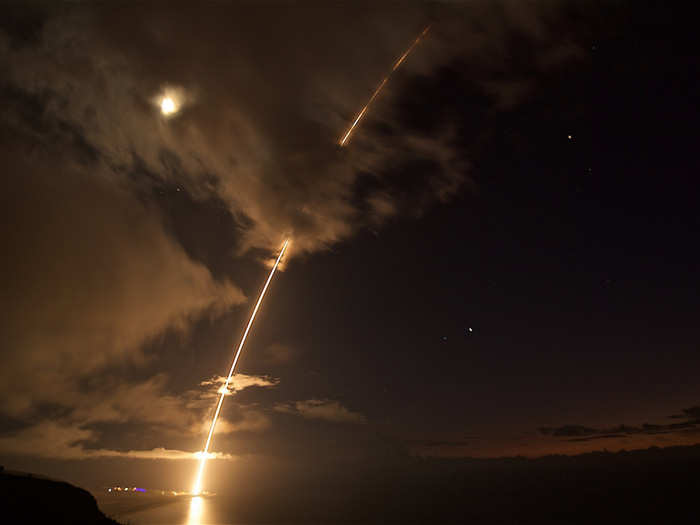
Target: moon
x,y
167,106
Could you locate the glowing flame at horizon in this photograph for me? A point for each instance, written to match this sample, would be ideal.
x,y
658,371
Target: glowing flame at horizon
x,y
348,132
223,391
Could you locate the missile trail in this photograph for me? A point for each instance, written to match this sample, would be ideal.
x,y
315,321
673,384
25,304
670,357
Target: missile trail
x,y
197,489
343,140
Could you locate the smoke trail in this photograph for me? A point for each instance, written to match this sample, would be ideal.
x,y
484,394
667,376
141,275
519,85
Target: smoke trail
x,y
346,135
197,489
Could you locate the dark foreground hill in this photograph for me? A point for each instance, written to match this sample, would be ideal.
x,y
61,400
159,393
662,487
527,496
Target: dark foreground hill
x,y
25,498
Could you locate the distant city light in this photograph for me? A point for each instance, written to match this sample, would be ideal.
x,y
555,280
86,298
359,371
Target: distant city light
x,y
163,492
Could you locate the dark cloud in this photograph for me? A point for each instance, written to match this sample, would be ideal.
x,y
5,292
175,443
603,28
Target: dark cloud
x,y
579,433
688,413
568,430
278,353
595,437
431,447
324,409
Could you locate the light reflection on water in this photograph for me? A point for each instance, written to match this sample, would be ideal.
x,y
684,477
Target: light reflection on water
x,y
193,511
194,517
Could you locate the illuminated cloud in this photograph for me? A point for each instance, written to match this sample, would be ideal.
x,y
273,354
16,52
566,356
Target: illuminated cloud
x,y
61,441
239,382
94,276
156,453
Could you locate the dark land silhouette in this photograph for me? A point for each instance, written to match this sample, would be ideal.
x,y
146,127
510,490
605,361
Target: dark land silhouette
x,y
28,498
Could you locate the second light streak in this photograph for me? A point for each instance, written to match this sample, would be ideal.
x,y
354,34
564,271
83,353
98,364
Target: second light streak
x,y
344,139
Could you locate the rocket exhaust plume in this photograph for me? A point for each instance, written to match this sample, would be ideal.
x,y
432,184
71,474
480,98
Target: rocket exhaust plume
x,y
344,139
197,489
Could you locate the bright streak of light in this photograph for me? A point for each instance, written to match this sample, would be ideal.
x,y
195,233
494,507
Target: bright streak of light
x,y
348,132
197,489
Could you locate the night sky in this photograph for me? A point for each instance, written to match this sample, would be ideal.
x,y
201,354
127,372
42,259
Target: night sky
x,y
502,261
